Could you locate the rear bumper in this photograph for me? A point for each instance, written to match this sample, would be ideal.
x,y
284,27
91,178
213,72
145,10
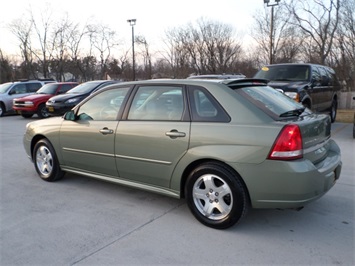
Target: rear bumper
x,y
291,184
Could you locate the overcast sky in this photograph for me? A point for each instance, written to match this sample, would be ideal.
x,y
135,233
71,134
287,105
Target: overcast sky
x,y
154,17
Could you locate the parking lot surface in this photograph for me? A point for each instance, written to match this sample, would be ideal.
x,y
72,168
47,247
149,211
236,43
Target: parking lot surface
x,y
81,221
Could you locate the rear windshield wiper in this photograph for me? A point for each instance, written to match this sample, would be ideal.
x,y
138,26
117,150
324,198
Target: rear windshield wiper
x,y
295,112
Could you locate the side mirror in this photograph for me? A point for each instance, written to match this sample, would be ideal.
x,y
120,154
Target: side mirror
x,y
70,115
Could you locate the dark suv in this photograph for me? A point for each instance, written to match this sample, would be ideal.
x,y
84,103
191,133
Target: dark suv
x,y
315,86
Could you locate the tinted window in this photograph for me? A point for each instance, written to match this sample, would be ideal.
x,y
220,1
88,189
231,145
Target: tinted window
x,y
284,73
33,87
315,74
270,100
204,107
19,89
157,103
104,106
65,87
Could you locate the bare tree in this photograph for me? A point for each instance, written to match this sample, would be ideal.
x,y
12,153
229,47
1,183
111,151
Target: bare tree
x,y
103,39
204,47
42,29
343,54
22,29
147,57
318,19
284,40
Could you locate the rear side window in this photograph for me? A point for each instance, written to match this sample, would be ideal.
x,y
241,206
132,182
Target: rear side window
x,y
271,101
33,87
205,108
160,103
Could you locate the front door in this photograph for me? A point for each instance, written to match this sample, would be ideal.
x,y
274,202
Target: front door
x,y
88,142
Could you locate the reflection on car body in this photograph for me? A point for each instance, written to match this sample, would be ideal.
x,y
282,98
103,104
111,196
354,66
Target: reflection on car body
x,y
224,145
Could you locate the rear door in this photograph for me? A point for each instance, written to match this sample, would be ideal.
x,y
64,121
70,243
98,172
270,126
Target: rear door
x,y
154,137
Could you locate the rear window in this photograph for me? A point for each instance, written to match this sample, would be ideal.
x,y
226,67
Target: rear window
x,y
271,101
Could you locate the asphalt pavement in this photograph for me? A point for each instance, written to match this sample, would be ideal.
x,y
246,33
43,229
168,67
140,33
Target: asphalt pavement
x,y
82,221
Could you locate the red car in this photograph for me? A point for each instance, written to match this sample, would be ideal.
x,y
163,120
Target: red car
x,y
36,103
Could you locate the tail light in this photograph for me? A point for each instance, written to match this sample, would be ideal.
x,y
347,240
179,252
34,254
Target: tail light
x,y
288,144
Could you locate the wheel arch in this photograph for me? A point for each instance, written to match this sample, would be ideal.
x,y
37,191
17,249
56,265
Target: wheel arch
x,y
34,140
193,165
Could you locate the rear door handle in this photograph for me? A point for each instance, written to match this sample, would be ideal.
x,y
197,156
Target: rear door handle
x,y
106,131
175,134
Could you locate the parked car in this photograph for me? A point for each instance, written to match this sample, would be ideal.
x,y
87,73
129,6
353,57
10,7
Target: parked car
x,y
36,103
60,104
11,90
224,145
315,86
216,76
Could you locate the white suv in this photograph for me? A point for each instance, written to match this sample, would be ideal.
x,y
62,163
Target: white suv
x,y
11,90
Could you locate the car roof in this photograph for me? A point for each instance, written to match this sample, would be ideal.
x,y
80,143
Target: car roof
x,y
217,76
201,82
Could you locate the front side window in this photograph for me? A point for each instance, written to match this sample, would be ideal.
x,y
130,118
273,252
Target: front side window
x,y
164,103
65,87
19,89
104,106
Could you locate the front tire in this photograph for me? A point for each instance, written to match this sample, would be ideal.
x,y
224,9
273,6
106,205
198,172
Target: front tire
x,y
2,110
216,195
24,115
42,111
46,161
333,110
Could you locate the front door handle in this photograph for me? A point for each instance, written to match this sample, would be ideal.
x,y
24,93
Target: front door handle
x,y
175,134
106,131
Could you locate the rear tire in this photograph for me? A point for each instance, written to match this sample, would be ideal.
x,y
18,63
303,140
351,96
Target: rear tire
x,y
46,161
216,195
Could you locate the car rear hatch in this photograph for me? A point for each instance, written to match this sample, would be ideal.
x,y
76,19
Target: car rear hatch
x,y
315,130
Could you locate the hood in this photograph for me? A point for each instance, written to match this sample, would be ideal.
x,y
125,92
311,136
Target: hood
x,y
66,96
33,97
287,85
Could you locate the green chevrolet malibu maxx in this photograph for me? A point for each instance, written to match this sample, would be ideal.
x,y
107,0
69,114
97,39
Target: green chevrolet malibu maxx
x,y
223,145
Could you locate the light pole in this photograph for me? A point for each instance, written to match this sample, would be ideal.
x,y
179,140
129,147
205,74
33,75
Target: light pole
x,y
132,22
275,3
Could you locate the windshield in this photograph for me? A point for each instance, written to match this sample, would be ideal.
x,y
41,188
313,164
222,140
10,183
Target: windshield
x,y
273,102
284,73
84,88
4,87
48,89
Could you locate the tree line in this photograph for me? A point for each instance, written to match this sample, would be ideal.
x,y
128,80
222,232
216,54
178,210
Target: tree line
x,y
314,31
